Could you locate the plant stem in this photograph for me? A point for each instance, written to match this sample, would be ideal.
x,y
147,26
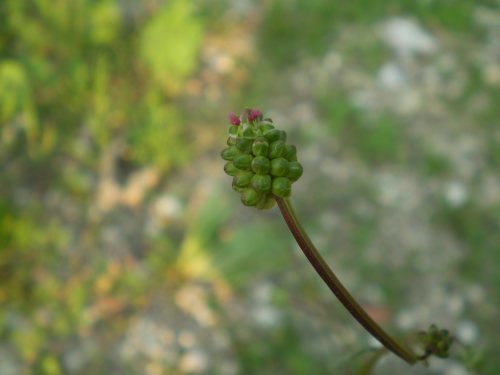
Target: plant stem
x,y
336,286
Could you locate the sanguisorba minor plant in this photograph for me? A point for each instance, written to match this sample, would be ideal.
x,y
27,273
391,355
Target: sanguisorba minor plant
x,y
264,167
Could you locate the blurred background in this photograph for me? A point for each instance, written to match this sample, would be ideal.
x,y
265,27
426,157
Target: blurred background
x,y
123,249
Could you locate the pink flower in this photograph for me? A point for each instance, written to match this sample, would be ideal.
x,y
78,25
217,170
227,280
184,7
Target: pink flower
x,y
234,119
254,114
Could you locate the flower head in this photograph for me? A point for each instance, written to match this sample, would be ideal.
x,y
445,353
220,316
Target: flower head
x,y
262,164
234,119
254,114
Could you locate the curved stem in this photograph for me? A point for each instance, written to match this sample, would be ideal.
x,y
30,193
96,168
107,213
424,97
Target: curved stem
x,y
336,286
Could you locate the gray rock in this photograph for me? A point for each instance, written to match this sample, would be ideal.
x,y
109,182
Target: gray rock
x,y
406,37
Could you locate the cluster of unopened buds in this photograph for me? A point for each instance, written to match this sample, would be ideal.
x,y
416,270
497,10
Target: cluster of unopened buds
x,y
436,342
264,167
260,161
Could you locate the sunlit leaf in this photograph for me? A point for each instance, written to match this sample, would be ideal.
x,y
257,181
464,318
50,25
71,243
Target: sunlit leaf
x,y
170,43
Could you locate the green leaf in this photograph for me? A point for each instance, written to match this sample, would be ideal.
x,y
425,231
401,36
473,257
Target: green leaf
x,y
170,43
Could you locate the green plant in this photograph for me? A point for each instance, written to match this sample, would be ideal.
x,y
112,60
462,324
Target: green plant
x,y
263,168
262,165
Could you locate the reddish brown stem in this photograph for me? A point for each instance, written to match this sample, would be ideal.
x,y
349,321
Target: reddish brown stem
x,y
336,286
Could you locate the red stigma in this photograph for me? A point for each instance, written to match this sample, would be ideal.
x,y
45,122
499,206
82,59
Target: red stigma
x,y
234,119
254,114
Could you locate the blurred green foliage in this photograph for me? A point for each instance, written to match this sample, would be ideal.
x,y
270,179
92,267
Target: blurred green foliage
x,y
171,65
294,29
88,53
77,77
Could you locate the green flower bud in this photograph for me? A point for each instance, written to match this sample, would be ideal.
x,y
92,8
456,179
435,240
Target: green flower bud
x,y
290,153
261,165
264,128
282,187
229,153
260,147
295,170
261,182
266,202
244,144
437,341
250,197
242,161
273,135
242,178
233,131
442,349
279,167
277,149
230,169
249,132
237,188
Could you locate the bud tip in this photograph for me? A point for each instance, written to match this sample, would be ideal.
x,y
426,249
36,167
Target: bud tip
x,y
254,114
234,119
